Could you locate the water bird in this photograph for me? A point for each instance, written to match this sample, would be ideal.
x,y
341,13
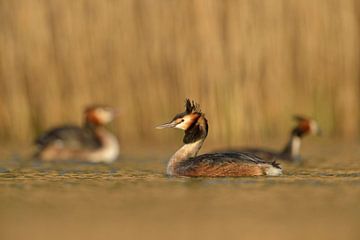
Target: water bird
x,y
186,162
91,142
291,152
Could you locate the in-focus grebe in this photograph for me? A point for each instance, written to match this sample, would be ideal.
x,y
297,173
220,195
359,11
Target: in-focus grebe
x,y
291,151
185,161
92,142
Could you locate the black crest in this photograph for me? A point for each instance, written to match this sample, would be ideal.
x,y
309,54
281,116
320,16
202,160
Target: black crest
x,y
191,106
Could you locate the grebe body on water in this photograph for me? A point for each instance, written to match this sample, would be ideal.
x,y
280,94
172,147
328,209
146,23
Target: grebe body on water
x,y
291,151
185,161
91,142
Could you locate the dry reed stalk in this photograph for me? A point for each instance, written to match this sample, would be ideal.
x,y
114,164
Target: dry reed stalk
x,y
250,63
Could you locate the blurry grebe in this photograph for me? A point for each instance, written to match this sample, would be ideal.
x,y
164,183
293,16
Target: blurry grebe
x,y
185,161
291,151
92,142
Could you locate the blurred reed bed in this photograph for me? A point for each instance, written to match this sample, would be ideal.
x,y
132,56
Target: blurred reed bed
x,y
250,63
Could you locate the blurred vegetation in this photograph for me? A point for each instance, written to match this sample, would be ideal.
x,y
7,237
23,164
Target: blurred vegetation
x,y
251,64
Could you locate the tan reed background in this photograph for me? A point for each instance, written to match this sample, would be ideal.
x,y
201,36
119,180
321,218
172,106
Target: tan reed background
x,y
250,63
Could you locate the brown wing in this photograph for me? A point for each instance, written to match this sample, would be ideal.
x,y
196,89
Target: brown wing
x,y
70,136
224,164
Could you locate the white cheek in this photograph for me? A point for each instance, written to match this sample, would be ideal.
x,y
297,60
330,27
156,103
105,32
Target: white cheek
x,y
105,117
187,120
182,126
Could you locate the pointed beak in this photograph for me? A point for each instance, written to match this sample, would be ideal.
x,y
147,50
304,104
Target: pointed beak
x,y
167,125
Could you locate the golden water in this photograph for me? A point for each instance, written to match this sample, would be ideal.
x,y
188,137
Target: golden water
x,y
133,199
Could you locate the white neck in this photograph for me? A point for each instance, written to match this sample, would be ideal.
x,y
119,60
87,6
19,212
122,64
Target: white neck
x,y
295,146
185,152
109,149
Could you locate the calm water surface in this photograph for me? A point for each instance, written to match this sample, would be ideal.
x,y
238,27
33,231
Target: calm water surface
x,y
133,199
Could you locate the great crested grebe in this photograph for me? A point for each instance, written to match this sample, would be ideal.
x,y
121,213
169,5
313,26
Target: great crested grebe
x,y
185,161
291,151
92,142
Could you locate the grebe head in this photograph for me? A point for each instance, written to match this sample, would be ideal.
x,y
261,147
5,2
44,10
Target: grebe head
x,y
192,121
306,126
185,119
99,115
